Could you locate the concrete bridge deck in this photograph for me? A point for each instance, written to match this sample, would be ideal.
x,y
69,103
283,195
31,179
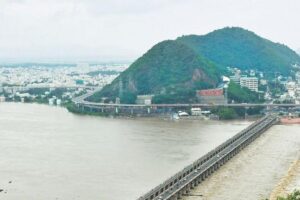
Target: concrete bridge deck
x,y
94,104
185,180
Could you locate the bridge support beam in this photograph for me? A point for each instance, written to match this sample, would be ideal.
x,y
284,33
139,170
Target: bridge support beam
x,y
211,162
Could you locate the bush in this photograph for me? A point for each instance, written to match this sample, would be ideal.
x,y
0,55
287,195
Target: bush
x,y
241,95
226,113
293,196
128,98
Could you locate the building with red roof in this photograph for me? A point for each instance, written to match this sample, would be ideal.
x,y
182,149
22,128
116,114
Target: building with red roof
x,y
211,96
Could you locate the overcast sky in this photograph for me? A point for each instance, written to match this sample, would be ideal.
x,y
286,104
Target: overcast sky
x,y
96,30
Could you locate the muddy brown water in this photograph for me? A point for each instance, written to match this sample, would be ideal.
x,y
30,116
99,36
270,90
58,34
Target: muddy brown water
x,y
265,167
48,153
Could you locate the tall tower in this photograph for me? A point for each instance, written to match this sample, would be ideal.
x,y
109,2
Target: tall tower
x,y
226,93
120,87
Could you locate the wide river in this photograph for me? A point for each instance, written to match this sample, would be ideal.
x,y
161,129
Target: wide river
x,y
48,153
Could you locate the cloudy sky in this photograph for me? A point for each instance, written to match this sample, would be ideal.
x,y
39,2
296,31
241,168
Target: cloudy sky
x,y
103,30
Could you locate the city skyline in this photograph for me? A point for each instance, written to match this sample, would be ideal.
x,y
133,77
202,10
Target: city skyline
x,y
74,31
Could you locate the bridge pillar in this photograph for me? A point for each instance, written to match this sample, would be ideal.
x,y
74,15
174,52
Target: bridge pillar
x,y
199,180
173,198
179,195
191,186
202,177
196,183
187,190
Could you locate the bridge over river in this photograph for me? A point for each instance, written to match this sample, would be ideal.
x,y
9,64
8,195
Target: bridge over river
x,y
185,180
158,109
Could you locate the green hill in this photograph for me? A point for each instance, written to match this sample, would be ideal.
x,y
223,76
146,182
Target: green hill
x,y
174,69
168,68
243,49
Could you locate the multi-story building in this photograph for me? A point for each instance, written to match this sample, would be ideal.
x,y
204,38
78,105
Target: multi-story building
x,y
250,83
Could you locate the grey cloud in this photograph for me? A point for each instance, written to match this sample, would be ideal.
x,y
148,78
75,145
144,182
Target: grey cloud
x,y
127,28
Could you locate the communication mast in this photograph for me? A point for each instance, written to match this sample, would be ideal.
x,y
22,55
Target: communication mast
x,y
120,87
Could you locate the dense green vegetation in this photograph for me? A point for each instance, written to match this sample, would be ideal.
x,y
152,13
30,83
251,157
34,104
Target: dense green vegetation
x,y
179,95
226,113
243,49
241,95
38,91
165,70
71,107
174,69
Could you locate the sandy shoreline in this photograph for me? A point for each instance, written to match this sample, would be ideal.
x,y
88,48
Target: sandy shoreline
x,y
267,168
287,182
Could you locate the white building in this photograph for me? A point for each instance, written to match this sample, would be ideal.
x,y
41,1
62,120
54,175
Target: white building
x,y
297,76
196,111
263,82
2,98
58,102
291,88
250,83
144,99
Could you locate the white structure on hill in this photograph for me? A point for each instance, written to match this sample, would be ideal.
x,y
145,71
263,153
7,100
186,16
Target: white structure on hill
x,y
250,83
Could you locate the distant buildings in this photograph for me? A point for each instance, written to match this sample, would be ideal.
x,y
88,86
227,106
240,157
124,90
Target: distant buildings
x,y
40,76
248,79
235,78
237,75
263,82
212,96
297,77
250,83
291,88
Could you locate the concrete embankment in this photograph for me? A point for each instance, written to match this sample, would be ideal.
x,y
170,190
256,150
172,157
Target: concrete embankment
x,y
255,171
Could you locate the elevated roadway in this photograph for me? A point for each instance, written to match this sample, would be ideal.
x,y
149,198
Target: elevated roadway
x,y
185,105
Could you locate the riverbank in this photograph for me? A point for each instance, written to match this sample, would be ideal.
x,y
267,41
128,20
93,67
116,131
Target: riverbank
x,y
289,182
215,113
257,170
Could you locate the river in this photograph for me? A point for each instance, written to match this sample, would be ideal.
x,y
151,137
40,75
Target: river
x,y
48,153
269,167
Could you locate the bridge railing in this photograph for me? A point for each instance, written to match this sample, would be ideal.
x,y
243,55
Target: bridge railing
x,y
229,151
190,168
